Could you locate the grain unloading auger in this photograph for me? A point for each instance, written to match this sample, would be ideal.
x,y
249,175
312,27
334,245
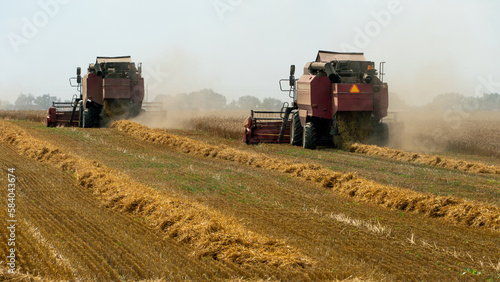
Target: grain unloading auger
x,y
339,100
112,89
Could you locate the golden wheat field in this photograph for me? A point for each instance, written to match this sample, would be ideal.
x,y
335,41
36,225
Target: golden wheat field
x,y
149,200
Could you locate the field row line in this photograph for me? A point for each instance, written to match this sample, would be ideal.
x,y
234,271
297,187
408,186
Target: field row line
x,y
425,159
457,210
211,233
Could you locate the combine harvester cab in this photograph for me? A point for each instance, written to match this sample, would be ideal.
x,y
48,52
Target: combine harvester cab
x,y
339,100
112,89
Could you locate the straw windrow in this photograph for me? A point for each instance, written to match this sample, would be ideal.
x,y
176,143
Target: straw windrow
x,y
425,159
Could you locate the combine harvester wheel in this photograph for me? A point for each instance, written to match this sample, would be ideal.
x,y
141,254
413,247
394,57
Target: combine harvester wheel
x,y
296,130
309,138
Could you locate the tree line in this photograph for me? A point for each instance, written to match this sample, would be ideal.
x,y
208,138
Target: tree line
x,y
445,101
207,99
30,102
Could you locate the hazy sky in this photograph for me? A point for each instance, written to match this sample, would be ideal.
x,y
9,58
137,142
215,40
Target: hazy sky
x,y
243,47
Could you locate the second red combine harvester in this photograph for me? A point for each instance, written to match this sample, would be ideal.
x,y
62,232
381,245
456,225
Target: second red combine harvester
x,y
112,89
340,99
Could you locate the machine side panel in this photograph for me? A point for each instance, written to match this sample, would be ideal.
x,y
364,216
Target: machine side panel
x,y
321,97
92,88
304,92
355,103
345,88
314,96
137,87
381,102
303,117
116,88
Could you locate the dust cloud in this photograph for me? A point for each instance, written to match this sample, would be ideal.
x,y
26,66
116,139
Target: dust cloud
x,y
163,119
448,131
175,71
224,123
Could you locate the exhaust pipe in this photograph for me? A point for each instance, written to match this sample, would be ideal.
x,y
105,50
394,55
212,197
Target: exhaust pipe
x,y
98,70
291,79
327,68
78,75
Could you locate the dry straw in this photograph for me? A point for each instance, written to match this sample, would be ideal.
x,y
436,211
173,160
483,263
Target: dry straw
x,y
425,159
354,126
453,209
6,276
30,115
211,233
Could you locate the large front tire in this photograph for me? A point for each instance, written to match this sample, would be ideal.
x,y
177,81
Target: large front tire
x,y
91,117
87,119
310,139
297,131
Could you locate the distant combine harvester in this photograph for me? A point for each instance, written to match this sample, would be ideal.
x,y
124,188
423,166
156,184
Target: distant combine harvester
x,y
112,89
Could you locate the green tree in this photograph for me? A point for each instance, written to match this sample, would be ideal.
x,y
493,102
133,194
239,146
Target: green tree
x,y
490,102
45,101
30,102
445,101
271,104
6,105
25,102
249,103
206,99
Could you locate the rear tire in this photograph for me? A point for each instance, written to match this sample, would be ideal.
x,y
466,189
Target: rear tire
x,y
310,139
91,117
297,131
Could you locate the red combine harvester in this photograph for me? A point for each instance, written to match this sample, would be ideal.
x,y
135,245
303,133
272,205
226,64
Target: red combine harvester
x,y
113,88
339,100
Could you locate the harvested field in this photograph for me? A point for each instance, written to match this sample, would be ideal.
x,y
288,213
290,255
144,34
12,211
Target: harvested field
x,y
281,212
454,209
210,233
